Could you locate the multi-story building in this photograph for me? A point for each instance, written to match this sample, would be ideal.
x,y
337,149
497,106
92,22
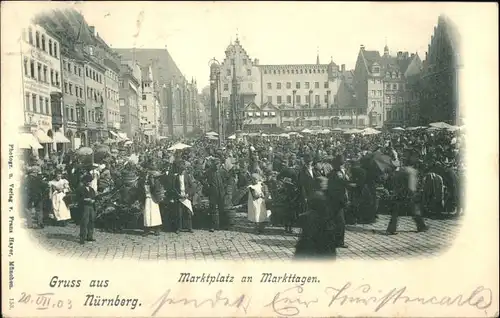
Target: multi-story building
x,y
439,99
74,93
94,86
295,95
380,84
149,109
42,86
130,96
172,85
111,62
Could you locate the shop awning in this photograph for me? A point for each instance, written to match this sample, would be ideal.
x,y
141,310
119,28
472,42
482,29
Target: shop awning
x,y
28,141
60,138
42,137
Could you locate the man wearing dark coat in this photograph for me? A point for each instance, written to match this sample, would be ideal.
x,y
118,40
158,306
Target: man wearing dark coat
x,y
317,238
306,181
215,191
405,182
338,185
36,190
179,187
86,203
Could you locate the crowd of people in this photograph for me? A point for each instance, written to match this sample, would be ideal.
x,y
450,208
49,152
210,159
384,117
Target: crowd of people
x,y
318,182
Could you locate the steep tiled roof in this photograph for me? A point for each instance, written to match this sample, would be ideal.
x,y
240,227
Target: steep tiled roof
x,y
371,57
164,67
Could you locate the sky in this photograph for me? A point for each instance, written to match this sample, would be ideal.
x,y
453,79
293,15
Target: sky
x,y
273,32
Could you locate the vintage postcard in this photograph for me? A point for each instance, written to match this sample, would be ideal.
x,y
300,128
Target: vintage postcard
x,y
249,159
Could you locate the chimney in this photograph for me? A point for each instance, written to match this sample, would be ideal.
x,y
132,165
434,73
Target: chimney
x,y
400,55
256,62
342,67
92,29
362,47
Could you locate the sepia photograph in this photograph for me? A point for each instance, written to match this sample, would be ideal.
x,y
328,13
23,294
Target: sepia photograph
x,y
241,132
123,152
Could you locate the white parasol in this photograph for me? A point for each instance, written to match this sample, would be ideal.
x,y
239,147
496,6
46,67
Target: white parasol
x,y
232,137
128,142
284,135
398,129
440,125
307,131
212,133
337,129
179,146
370,131
264,135
325,131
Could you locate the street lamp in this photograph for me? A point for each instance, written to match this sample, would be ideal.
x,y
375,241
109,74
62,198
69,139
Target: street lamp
x,y
216,83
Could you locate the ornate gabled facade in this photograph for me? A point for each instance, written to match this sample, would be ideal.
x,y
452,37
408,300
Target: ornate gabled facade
x,y
380,85
303,94
439,100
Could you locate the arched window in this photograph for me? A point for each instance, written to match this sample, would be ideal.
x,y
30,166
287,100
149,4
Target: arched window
x,y
55,49
37,39
43,42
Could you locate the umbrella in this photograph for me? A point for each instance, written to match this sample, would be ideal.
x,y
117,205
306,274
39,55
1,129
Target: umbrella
x,y
162,137
325,131
370,131
307,131
398,129
232,137
433,128
264,135
212,133
84,151
210,137
284,135
179,146
293,133
337,129
299,135
376,163
441,125
128,142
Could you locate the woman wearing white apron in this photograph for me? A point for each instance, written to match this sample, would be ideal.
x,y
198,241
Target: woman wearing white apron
x,y
152,215
59,187
257,211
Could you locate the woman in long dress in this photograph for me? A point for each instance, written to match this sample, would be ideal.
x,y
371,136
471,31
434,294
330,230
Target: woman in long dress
x,y
152,215
257,211
59,187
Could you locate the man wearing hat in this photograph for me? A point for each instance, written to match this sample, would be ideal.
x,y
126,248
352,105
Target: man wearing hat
x,y
86,203
405,182
179,193
36,190
338,185
306,177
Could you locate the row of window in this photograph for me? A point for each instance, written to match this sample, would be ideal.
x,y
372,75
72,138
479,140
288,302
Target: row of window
x,y
68,89
36,104
298,99
41,42
307,85
295,71
95,76
112,76
79,114
257,114
39,72
395,114
229,72
112,94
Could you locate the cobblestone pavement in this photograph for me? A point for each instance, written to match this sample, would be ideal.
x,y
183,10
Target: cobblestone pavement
x,y
242,243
